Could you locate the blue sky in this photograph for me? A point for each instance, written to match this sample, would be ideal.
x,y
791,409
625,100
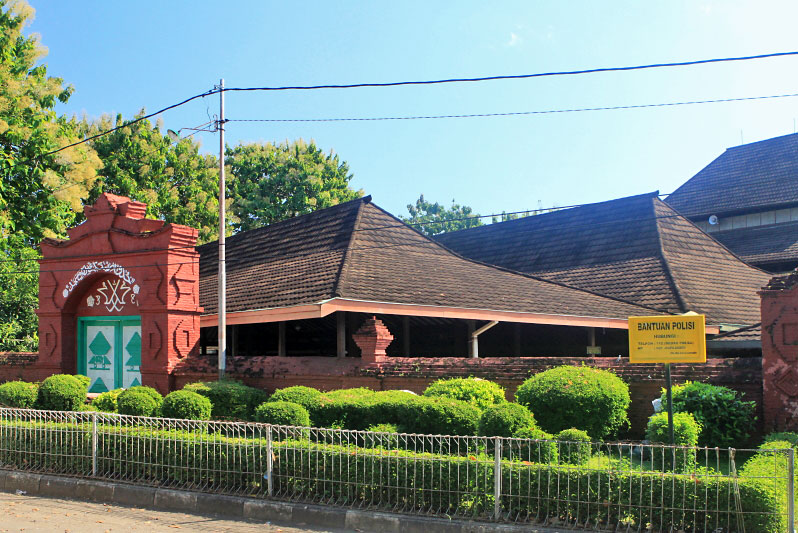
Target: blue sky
x,y
123,56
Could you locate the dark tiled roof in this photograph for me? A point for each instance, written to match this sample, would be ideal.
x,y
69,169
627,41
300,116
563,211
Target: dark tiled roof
x,y
763,244
748,333
637,249
358,251
753,176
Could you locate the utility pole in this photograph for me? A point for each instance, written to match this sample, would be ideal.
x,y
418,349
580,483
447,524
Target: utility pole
x,y
222,312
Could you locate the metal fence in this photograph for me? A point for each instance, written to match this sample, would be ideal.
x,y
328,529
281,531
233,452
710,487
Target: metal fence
x,y
589,486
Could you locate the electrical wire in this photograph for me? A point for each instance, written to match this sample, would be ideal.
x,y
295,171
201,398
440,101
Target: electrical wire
x,y
217,90
514,76
517,113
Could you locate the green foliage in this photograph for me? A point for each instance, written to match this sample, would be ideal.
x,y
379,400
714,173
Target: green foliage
x,y
504,420
282,414
686,432
177,183
230,399
460,485
432,219
726,419
20,394
783,436
583,397
768,468
149,391
186,405
575,447
86,380
383,428
106,401
360,408
307,397
478,392
61,392
543,451
19,295
274,182
137,401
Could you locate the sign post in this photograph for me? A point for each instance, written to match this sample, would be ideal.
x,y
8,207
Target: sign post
x,y
667,339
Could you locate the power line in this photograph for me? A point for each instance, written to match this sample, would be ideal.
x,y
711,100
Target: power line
x,y
515,76
432,82
518,113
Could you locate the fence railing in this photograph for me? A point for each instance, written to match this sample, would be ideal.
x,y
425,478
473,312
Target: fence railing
x,y
591,486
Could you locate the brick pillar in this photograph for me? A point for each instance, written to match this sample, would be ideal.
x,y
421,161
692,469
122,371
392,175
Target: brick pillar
x,y
372,338
780,353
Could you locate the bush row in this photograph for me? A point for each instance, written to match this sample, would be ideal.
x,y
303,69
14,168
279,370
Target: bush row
x,y
456,485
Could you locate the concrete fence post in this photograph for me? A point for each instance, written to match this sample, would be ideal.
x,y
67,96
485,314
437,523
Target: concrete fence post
x,y
94,444
269,462
497,479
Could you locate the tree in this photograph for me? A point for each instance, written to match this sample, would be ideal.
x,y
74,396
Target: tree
x,y
40,193
432,219
177,183
272,182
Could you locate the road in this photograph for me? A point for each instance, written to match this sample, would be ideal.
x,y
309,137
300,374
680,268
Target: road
x,y
35,514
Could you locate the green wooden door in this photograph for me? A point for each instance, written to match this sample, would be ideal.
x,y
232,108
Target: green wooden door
x,y
109,351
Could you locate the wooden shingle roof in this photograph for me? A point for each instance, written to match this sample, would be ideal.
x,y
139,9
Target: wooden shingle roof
x,y
637,249
751,177
763,245
357,251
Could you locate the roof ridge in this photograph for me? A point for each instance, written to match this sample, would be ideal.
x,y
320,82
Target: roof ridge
x,y
713,239
342,273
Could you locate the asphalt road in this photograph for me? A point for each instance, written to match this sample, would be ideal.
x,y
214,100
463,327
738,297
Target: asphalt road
x,y
35,514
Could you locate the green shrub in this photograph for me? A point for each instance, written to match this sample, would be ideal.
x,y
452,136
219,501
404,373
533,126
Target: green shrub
x,y
20,394
307,397
282,414
186,405
726,419
61,393
582,397
686,431
106,401
542,451
149,391
137,402
381,436
575,446
504,419
349,394
783,436
230,399
86,380
478,392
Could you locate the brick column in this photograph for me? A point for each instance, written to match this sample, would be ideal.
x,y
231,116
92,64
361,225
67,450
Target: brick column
x,y
780,353
372,338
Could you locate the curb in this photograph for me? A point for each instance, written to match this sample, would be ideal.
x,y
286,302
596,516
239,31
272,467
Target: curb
x,y
237,507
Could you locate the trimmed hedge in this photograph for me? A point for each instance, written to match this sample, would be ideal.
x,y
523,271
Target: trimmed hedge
x,y
543,450
230,399
575,446
283,414
726,419
504,420
137,402
577,397
686,431
61,392
19,394
186,405
448,484
307,397
480,393
149,391
783,436
106,401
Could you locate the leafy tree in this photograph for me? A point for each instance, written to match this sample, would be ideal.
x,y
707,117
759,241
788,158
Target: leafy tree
x,y
40,193
178,184
272,182
432,219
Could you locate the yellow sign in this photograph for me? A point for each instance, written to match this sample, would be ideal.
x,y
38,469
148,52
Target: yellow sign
x,y
667,339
